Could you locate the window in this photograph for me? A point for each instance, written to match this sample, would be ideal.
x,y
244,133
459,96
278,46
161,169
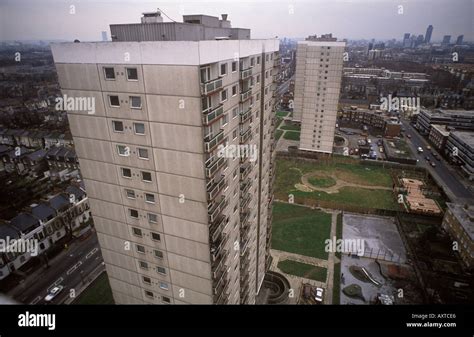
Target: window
x,y
158,254
130,194
164,286
234,134
225,119
123,150
155,236
223,95
135,102
137,231
109,73
142,153
143,265
150,197
117,126
140,249
139,128
258,59
252,62
205,74
235,112
146,176
146,280
152,217
133,213
223,69
258,79
114,100
234,66
132,74
234,90
126,172
161,270
166,299
149,294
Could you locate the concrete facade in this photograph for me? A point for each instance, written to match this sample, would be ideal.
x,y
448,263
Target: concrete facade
x,y
177,222
317,86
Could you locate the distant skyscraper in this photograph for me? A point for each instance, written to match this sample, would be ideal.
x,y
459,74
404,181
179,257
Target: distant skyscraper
x,y
318,80
104,36
460,39
406,40
446,39
429,32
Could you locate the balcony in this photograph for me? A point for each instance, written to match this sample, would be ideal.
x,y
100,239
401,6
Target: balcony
x,y
220,293
244,116
211,142
218,266
213,165
244,219
216,208
216,248
244,188
246,73
210,115
245,136
244,247
214,187
210,87
245,202
216,229
246,95
245,170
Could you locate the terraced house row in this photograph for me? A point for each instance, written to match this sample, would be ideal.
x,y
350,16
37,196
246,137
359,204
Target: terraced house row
x,y
177,221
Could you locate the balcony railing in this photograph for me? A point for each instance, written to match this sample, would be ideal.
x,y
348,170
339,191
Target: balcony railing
x,y
245,170
244,136
245,202
210,143
214,187
219,265
216,208
213,165
244,247
215,230
210,115
244,219
246,73
216,249
245,186
246,95
244,116
222,295
212,86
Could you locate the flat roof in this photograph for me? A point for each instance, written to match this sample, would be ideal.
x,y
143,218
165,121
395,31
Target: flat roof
x,y
466,137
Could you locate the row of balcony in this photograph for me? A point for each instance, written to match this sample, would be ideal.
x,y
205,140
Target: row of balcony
x,y
246,95
246,115
245,186
217,248
217,227
213,164
220,292
211,86
212,141
215,208
245,171
210,115
214,186
245,73
245,136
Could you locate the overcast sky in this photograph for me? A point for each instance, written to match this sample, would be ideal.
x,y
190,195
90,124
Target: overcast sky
x,y
352,19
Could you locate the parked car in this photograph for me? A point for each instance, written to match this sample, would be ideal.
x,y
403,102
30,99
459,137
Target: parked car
x,y
427,158
433,164
420,149
319,296
53,293
428,147
408,136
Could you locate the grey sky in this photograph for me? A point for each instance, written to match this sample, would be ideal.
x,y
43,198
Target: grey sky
x,y
353,19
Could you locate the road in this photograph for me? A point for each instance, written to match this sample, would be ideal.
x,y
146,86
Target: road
x,y
441,172
283,87
70,270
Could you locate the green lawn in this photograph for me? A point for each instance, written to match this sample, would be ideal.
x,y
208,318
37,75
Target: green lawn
x,y
303,270
292,135
289,173
282,113
278,134
322,182
339,231
300,230
98,292
291,127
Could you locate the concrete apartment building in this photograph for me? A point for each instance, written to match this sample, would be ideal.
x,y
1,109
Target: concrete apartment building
x,y
317,85
458,221
177,221
460,149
